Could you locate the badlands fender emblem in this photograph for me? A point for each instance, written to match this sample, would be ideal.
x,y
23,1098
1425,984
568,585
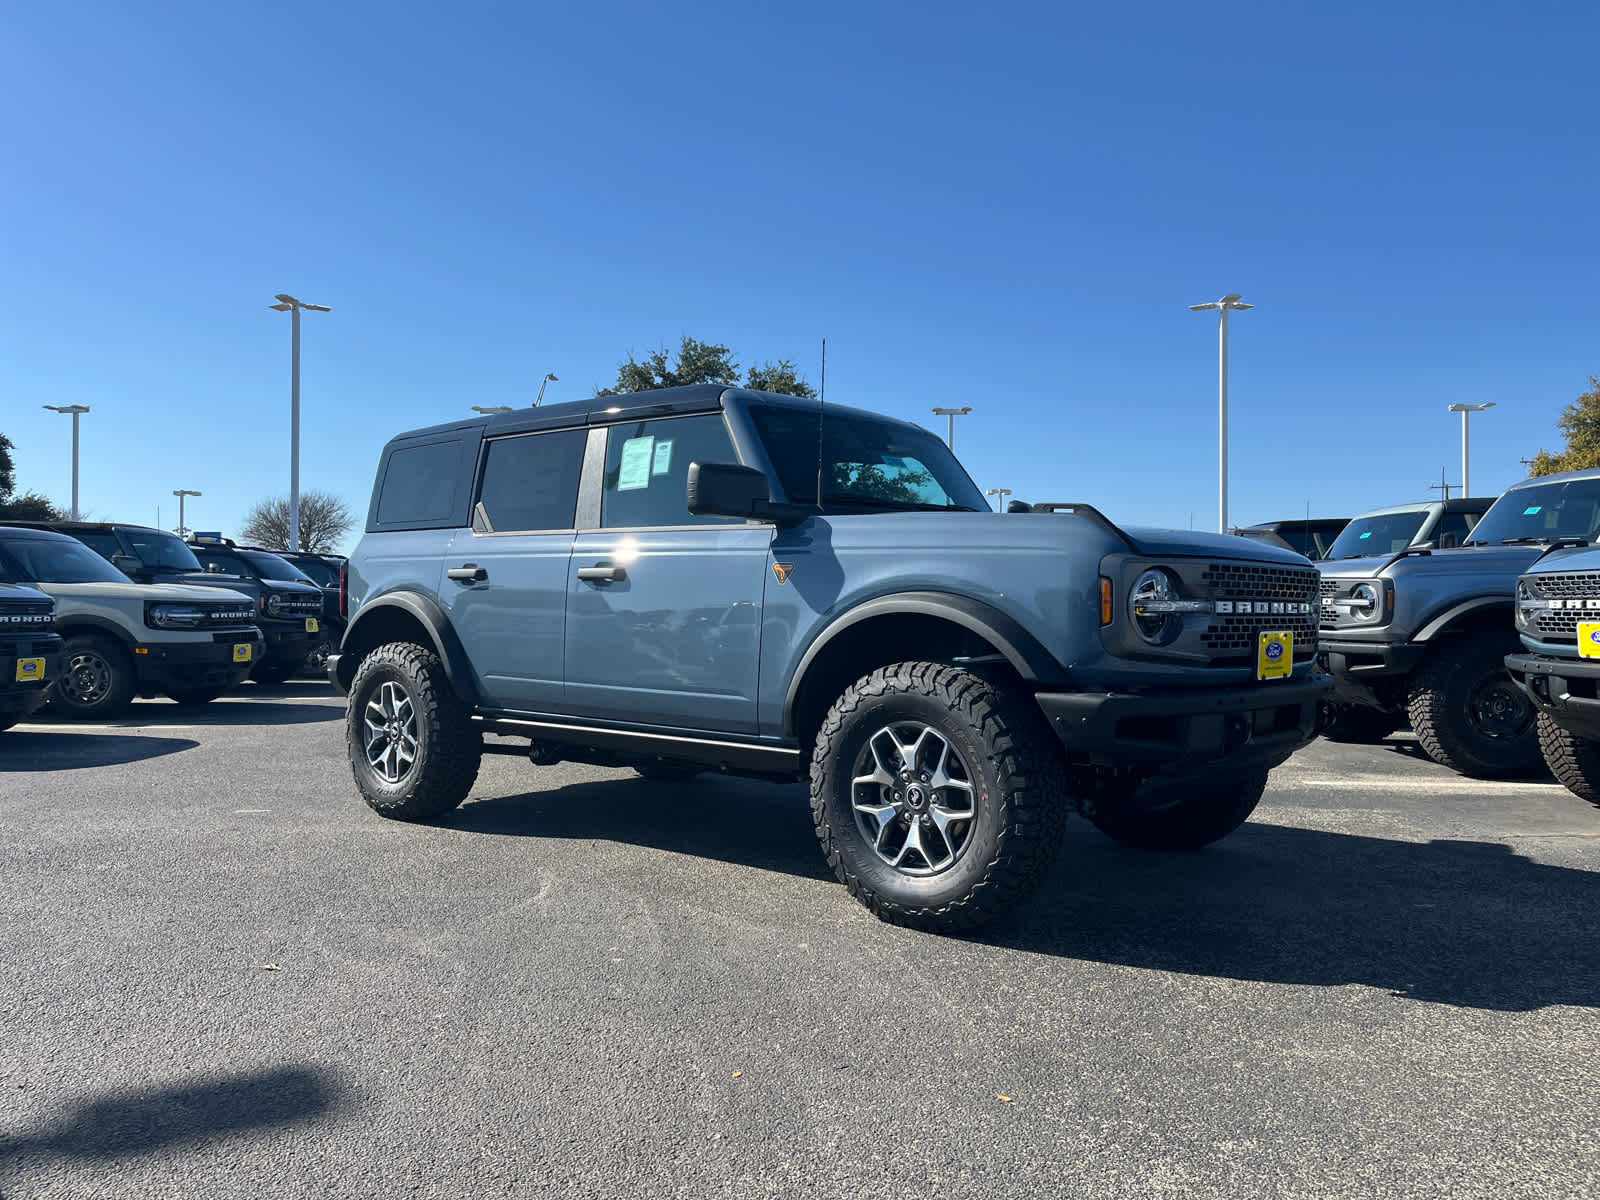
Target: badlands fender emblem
x,y
781,570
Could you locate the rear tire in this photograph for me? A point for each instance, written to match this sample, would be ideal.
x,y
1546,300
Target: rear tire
x,y
1468,715
1358,725
1574,760
96,681
411,745
1183,814
938,798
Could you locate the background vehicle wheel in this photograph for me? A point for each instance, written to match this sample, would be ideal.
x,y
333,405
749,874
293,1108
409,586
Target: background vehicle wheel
x,y
938,798
1182,814
1468,715
187,696
1356,724
663,770
269,675
412,749
1574,760
96,682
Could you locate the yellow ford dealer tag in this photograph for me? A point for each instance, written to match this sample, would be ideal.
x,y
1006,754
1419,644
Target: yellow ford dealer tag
x,y
1589,639
311,624
1275,656
241,651
30,670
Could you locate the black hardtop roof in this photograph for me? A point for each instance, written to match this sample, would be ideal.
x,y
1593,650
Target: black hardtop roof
x,y
82,526
33,533
1292,523
604,410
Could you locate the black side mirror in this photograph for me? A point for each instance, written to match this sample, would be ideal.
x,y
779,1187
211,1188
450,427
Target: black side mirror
x,y
725,489
126,563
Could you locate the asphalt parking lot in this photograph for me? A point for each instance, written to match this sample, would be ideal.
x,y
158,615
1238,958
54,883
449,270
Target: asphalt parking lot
x,y
225,977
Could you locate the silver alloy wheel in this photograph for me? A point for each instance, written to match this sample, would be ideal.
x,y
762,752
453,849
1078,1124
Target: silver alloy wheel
x,y
914,798
87,679
390,722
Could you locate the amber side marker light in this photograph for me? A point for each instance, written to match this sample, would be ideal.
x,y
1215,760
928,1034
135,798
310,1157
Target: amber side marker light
x,y
1105,600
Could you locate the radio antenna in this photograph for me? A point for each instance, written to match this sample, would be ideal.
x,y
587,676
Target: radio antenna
x,y
822,400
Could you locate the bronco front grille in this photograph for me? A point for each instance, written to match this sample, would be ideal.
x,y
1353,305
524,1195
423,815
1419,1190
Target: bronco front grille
x,y
26,617
1278,589
1573,585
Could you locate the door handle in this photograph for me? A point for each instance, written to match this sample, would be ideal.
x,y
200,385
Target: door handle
x,y
602,574
468,573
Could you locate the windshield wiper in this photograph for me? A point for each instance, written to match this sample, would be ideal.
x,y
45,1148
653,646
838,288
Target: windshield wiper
x,y
1523,541
847,499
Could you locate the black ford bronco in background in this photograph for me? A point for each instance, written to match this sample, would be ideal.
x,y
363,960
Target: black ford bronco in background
x,y
710,578
30,650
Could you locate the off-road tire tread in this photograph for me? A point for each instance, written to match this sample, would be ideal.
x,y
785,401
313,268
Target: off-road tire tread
x,y
1435,724
444,775
122,688
1022,752
1573,760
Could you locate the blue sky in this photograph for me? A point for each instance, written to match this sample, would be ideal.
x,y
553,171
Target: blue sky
x,y
1007,208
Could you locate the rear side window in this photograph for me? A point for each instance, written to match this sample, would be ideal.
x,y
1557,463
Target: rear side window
x,y
419,484
647,470
531,482
103,544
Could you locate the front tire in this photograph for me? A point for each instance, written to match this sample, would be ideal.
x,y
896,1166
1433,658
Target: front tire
x,y
97,682
411,745
1183,814
1358,725
1468,715
938,798
1574,760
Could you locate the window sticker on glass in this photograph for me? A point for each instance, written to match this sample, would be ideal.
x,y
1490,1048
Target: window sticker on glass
x,y
634,471
663,459
1366,535
1534,511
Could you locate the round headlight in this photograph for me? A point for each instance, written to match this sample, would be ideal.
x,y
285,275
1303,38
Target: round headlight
x,y
1154,587
1363,602
274,604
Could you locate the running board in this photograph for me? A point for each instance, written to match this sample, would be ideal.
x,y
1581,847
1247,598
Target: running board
x,y
729,756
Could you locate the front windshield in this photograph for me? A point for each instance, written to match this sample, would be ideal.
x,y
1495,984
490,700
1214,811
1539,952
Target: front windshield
x,y
270,566
866,464
1541,514
157,548
321,573
1383,533
45,560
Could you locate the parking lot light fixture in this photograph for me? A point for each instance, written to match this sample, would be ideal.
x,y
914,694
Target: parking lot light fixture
x,y
76,411
1229,303
489,409
287,303
1002,493
542,382
951,414
182,530
1466,410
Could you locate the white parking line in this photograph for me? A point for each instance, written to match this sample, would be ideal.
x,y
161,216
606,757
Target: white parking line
x,y
1384,782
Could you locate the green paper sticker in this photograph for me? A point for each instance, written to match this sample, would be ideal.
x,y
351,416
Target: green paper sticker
x,y
634,471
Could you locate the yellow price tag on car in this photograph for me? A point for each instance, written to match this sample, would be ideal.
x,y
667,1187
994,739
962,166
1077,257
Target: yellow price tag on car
x,y
30,670
1589,639
1275,656
242,651
311,624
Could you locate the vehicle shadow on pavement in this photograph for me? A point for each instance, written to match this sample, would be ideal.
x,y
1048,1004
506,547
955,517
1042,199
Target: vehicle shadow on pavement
x,y
293,687
1455,922
736,821
189,1116
223,711
65,749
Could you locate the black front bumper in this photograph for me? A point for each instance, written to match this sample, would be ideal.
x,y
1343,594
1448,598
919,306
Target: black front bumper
x,y
1261,723
288,645
1567,690
1356,665
18,698
175,666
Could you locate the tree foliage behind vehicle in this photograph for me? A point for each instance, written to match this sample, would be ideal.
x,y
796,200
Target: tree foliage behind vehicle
x,y
30,506
1580,425
324,520
705,362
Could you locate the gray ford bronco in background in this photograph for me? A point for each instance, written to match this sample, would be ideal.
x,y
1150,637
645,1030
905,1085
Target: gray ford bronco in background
x,y
1423,634
1558,616
1423,525
709,578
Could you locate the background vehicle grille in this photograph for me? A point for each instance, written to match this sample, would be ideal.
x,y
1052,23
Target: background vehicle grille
x,y
1237,635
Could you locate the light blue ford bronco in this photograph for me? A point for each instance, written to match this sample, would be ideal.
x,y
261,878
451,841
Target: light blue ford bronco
x,y
709,578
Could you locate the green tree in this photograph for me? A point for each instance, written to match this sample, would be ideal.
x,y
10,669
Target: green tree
x,y
704,362
324,519
1579,423
30,506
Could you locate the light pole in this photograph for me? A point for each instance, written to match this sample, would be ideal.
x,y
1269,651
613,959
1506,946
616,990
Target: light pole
x,y
1466,410
180,493
951,414
489,409
76,410
1001,492
542,382
292,306
1228,303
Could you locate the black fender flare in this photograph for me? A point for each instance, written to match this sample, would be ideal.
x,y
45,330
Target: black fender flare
x,y
75,624
445,642
1021,649
1438,624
